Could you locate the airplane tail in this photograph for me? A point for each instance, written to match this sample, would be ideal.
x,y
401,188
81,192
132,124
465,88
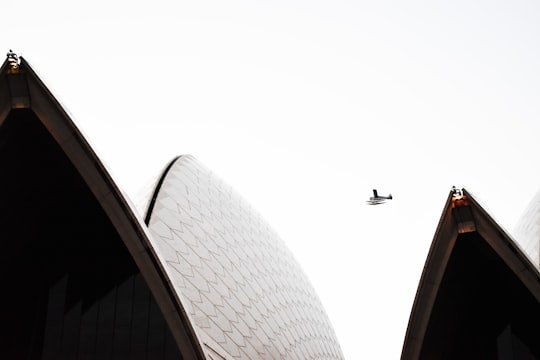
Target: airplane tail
x,y
375,193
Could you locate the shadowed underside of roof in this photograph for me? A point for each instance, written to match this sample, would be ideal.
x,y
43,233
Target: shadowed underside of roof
x,y
479,294
80,278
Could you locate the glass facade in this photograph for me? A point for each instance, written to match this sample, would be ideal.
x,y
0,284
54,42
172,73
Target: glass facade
x,y
482,310
70,288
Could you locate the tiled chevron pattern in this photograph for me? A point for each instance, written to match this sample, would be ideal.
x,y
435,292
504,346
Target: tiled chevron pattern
x,y
527,231
245,294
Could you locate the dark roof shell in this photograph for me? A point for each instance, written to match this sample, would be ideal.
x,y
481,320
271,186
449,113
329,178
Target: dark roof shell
x,y
471,278
22,90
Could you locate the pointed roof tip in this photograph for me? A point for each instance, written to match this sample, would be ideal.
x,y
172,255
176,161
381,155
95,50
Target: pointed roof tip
x,y
462,215
461,197
13,60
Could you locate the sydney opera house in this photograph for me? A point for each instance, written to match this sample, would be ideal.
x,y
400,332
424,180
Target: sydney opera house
x,y
201,275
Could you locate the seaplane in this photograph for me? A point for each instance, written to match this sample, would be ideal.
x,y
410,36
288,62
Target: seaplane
x,y
377,199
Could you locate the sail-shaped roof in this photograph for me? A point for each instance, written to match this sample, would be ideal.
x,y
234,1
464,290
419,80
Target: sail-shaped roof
x,y
479,294
244,292
43,156
207,279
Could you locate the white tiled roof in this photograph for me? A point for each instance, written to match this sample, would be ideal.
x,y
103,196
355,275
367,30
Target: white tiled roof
x,y
527,231
244,293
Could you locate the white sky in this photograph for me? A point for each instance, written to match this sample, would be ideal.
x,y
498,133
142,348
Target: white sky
x,y
304,107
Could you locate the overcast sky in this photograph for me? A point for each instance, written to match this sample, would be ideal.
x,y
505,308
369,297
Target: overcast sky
x,y
304,107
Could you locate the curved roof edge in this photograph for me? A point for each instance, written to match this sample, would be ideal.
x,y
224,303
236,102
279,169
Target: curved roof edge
x,y
461,214
22,88
155,191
